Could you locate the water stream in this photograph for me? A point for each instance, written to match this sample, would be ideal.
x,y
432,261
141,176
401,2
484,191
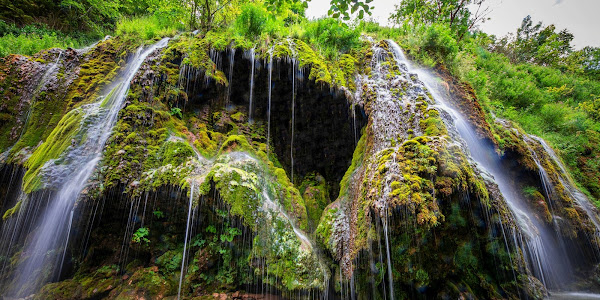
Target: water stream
x,y
49,242
230,78
542,246
270,89
293,118
187,233
251,56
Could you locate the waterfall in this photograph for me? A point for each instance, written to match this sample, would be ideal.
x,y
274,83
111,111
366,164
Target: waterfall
x,y
541,245
293,118
230,78
389,260
71,177
580,198
187,230
251,56
269,88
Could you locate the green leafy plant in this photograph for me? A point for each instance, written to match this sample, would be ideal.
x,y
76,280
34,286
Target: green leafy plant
x,y
158,214
252,21
176,111
141,236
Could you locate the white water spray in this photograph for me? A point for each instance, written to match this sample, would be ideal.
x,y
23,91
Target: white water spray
x,y
187,230
71,177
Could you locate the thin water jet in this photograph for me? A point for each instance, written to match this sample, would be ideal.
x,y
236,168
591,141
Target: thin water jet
x,y
187,230
71,177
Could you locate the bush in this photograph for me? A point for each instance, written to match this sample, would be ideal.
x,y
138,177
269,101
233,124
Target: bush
x,y
147,28
333,36
33,38
252,21
438,40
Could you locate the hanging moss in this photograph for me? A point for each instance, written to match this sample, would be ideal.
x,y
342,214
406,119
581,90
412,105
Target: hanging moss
x,y
194,52
325,230
316,197
54,146
11,211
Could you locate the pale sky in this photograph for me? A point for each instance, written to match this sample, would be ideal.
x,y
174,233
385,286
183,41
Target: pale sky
x,y
581,17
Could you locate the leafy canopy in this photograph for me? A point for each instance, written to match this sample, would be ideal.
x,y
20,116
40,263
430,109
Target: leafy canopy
x,y
459,15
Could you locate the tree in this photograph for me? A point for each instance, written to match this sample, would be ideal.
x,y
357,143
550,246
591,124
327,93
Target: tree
x,y
589,58
538,44
457,14
339,8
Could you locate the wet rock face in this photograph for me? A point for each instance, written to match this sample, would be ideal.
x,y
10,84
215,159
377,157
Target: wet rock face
x,y
326,130
19,76
10,179
415,216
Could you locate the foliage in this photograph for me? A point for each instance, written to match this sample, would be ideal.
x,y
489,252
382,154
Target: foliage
x,y
158,214
537,44
146,28
140,236
176,111
458,15
31,39
592,108
340,8
206,15
334,36
252,21
433,44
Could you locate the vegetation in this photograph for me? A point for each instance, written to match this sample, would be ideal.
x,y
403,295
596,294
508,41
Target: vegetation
x,y
534,77
162,139
31,39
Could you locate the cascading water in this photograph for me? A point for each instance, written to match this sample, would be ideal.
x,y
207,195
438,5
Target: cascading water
x,y
543,247
187,231
389,260
270,89
230,78
70,177
252,57
580,198
293,118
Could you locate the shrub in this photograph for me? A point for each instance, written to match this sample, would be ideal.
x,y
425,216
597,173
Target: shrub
x,y
31,39
252,21
333,36
438,41
147,27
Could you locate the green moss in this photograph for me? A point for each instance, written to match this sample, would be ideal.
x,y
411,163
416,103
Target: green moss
x,y
82,286
433,125
206,140
11,211
147,281
292,264
316,197
239,189
195,54
235,143
101,66
57,142
357,159
418,163
325,229
170,261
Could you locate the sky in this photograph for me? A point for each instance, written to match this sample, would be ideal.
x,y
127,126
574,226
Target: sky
x,y
581,17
